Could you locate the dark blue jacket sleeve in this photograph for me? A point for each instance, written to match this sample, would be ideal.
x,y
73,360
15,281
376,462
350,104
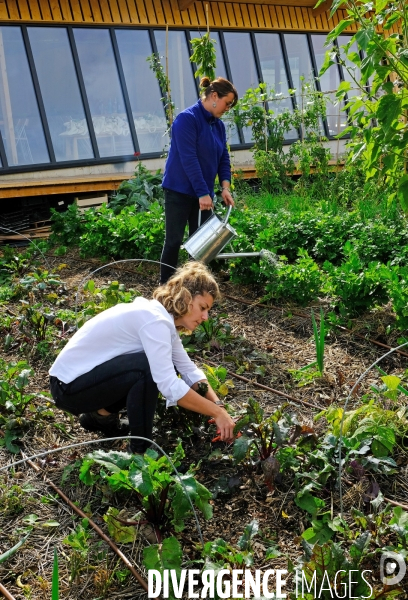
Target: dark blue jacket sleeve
x,y
184,136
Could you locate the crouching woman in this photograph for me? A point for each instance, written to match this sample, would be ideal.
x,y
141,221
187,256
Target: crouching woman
x,y
127,354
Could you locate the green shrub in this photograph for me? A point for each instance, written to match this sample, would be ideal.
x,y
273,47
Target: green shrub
x,y
300,282
128,234
66,226
138,192
358,286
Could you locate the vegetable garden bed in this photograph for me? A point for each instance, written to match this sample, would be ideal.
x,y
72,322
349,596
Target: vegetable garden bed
x,y
263,518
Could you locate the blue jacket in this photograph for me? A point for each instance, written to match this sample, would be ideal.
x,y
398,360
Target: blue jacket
x,y
198,152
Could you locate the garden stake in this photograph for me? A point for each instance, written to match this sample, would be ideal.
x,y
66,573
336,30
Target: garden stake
x,y
92,524
5,593
269,389
344,412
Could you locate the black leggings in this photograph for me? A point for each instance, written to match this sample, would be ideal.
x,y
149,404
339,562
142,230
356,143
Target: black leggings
x,y
179,209
122,381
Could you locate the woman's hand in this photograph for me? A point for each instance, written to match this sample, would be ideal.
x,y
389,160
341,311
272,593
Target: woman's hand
x,y
225,426
227,197
206,202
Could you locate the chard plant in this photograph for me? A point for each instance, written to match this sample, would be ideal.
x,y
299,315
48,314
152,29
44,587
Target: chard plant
x,y
162,497
217,378
79,542
96,300
329,570
263,437
211,334
14,400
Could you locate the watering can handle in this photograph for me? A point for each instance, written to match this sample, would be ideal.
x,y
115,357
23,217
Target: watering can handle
x,y
225,220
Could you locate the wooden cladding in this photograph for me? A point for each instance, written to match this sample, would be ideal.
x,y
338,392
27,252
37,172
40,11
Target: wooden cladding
x,y
224,15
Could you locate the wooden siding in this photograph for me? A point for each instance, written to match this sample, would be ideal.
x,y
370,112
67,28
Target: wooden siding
x,y
223,15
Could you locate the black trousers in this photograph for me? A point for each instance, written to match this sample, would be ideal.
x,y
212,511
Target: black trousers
x,y
122,381
179,209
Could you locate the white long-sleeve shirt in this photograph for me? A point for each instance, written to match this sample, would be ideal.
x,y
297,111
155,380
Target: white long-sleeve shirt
x,y
141,326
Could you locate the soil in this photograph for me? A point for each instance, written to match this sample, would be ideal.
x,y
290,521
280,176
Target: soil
x,y
268,346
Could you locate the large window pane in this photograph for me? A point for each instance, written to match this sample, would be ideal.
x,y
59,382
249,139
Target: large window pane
x,y
20,122
242,64
300,63
329,82
183,90
60,92
274,74
301,68
143,89
104,92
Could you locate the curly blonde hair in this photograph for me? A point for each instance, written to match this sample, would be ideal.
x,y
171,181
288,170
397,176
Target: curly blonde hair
x,y
192,279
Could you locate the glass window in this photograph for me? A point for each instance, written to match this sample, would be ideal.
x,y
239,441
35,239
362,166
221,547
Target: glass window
x,y
301,67
183,89
239,50
104,92
143,89
329,82
274,74
60,92
300,64
20,122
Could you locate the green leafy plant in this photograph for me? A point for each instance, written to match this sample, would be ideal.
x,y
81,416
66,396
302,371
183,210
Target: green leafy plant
x,y
35,320
378,111
164,498
213,333
264,437
269,127
220,554
14,379
165,556
358,286
370,426
325,569
139,192
217,378
300,282
97,299
164,83
204,56
79,542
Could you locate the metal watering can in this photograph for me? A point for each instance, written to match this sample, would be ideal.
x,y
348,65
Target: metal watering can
x,y
209,239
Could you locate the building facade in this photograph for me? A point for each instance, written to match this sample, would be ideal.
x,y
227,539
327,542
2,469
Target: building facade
x,y
79,100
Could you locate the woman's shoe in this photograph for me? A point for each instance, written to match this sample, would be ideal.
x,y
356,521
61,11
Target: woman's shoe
x,y
110,425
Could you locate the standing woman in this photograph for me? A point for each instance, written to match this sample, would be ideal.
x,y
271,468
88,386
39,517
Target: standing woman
x,y
198,152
